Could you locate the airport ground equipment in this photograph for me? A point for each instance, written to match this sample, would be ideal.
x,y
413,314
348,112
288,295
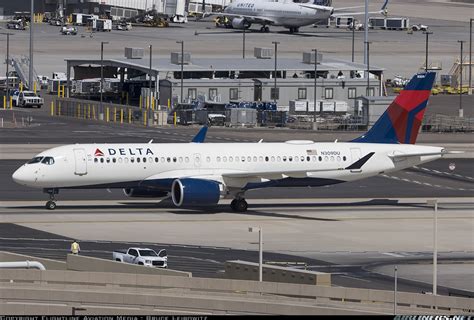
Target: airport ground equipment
x,y
142,256
69,30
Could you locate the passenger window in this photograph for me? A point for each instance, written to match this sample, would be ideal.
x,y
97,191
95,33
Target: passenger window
x,y
107,160
162,159
266,159
320,158
168,159
243,159
132,160
338,159
96,160
138,160
156,159
326,158
144,159
308,158
114,160
224,159
249,159
254,159
278,158
260,159
125,160
231,159
150,159
186,159
297,159
344,158
332,158
218,159
208,159
273,158
101,160
180,159
302,158
284,158
314,158
174,159
120,160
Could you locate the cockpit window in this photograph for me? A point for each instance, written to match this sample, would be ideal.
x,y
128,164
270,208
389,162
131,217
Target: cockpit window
x,y
48,160
35,160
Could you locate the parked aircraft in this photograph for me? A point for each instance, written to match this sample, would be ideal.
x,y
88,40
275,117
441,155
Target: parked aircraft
x,y
289,14
200,174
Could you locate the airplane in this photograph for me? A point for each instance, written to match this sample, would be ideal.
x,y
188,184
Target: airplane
x,y
289,14
200,174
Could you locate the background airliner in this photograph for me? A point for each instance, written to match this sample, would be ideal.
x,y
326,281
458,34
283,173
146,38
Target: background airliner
x,y
199,174
288,14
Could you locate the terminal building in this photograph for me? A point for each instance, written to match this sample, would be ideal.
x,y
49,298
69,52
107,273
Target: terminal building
x,y
231,79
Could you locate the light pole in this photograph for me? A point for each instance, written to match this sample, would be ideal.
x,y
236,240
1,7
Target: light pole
x,y
470,55
30,70
315,83
243,44
149,84
275,74
368,66
426,51
461,111
102,71
366,31
7,83
182,66
260,250
395,292
353,38
434,203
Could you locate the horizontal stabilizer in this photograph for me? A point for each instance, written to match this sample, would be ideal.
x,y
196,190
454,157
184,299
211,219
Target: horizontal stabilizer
x,y
421,154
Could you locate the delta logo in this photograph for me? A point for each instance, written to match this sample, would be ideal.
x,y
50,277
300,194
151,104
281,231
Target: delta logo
x,y
98,153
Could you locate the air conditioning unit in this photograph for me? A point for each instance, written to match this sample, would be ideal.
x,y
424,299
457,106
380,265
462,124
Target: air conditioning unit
x,y
308,57
263,53
176,58
134,53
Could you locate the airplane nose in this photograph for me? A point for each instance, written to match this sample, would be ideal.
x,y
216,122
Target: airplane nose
x,y
20,176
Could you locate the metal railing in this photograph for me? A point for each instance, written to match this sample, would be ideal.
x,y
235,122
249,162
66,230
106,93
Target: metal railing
x,y
443,123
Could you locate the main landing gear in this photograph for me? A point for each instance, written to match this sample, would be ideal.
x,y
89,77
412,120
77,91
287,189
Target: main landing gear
x,y
51,204
264,29
239,205
294,29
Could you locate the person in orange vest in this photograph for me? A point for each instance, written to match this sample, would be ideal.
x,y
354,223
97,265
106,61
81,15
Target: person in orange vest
x,y
75,248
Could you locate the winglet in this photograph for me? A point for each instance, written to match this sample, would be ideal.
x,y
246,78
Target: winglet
x,y
384,7
359,163
200,136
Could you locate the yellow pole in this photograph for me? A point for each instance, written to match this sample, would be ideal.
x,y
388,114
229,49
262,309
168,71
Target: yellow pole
x,y
59,91
147,104
64,90
52,108
174,119
59,107
129,116
21,86
4,102
93,112
84,112
34,86
144,118
78,106
107,115
115,114
153,104
121,116
89,110
169,104
140,104
11,102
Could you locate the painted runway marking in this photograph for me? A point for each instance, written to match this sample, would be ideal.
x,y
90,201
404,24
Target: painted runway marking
x,y
393,254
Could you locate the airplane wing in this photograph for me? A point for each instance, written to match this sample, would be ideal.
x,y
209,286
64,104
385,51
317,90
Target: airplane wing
x,y
253,19
200,136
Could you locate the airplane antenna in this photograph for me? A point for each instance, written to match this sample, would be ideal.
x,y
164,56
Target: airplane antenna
x,y
260,141
335,141
150,141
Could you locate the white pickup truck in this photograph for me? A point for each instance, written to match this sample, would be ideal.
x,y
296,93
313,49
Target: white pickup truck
x,y
142,256
26,99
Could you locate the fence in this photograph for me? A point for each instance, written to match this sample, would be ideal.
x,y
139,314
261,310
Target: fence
x,y
108,112
443,123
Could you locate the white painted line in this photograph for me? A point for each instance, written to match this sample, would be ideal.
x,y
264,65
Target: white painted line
x,y
363,280
393,254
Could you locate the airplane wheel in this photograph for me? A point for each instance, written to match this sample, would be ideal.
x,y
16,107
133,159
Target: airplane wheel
x,y
232,205
239,205
267,29
50,205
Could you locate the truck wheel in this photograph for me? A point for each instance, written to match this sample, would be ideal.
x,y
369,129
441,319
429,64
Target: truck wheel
x,y
140,264
118,260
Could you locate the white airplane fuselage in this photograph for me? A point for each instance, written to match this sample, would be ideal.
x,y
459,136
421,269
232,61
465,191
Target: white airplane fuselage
x,y
234,165
280,14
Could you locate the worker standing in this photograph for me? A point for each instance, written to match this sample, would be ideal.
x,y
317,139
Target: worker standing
x,y
75,248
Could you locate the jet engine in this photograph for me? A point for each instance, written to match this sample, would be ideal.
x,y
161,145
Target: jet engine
x,y
144,193
240,23
194,192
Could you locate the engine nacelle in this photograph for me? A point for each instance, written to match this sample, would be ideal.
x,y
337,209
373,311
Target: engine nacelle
x,y
240,23
194,192
144,193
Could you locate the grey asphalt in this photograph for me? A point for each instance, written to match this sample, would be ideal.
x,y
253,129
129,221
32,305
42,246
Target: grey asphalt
x,y
203,261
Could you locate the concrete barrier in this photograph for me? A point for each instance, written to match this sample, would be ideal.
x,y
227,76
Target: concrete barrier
x,y
244,270
84,263
139,291
48,263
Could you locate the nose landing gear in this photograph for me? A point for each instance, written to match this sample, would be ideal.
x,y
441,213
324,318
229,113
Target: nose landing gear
x,y
51,204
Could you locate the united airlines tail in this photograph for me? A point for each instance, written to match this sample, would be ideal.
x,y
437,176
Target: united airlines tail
x,y
401,121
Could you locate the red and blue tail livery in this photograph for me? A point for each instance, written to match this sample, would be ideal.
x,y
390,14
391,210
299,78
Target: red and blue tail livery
x,y
402,120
